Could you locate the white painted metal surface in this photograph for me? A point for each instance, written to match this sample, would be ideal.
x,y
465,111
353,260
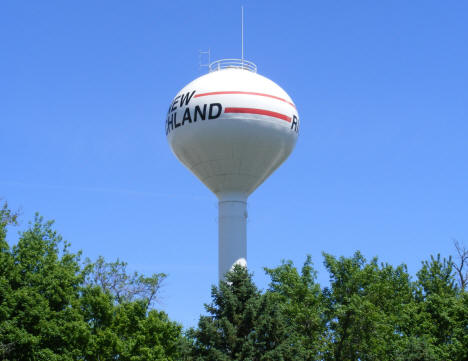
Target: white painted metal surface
x,y
232,232
232,64
232,128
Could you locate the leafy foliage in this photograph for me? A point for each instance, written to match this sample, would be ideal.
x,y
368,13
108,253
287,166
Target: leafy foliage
x,y
242,324
113,278
371,311
54,307
49,312
302,305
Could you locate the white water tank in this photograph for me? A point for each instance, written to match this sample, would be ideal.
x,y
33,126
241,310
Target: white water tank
x,y
232,128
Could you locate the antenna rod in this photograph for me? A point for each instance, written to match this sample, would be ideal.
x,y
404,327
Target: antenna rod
x,y
242,32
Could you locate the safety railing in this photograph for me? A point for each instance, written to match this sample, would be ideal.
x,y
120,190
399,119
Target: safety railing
x,y
232,63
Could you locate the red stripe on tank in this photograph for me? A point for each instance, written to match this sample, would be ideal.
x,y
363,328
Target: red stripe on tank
x,y
258,111
245,93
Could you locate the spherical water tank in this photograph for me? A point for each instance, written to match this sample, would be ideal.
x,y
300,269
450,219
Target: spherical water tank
x,y
232,128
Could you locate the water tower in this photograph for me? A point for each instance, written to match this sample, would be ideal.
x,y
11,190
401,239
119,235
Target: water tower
x,y
232,128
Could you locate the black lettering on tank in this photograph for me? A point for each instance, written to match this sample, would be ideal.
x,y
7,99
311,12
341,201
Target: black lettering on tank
x,y
187,116
186,98
169,123
174,116
212,106
199,112
295,124
174,103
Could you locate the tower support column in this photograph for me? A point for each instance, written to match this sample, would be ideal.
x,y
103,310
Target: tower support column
x,y
232,232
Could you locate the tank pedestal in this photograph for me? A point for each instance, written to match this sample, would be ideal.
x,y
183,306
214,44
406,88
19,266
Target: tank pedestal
x,y
232,244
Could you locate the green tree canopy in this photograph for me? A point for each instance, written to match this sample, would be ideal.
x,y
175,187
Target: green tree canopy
x,y
243,324
53,306
370,311
49,310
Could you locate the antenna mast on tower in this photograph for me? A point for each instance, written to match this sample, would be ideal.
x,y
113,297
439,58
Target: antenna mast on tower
x,y
242,33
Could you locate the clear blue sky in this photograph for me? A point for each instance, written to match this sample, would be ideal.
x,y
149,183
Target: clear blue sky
x,y
380,165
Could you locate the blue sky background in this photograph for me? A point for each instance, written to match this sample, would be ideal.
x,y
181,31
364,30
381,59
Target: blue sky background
x,y
380,165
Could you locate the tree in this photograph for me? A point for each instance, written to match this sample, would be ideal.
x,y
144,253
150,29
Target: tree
x,y
364,307
416,349
461,267
40,281
54,307
242,324
371,311
127,331
113,278
48,311
302,305
7,217
439,314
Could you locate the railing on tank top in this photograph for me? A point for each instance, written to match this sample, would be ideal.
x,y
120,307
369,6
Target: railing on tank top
x,y
232,63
